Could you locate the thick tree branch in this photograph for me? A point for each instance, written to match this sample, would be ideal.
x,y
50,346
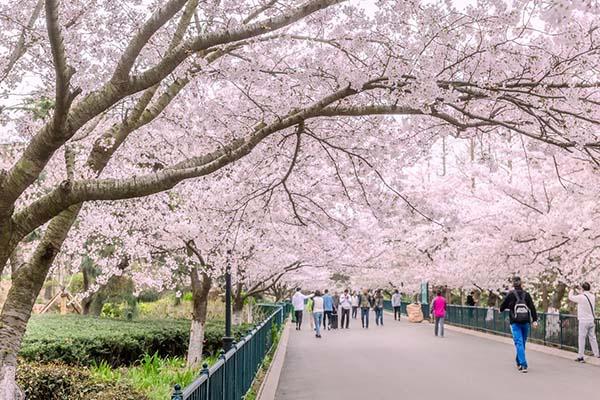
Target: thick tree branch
x,y
139,41
47,141
179,54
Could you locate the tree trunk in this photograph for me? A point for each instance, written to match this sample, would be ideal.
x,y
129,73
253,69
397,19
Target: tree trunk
x,y
545,297
27,282
200,289
559,294
492,299
238,309
250,319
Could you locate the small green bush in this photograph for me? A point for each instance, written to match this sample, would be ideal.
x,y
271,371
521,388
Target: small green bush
x,y
77,340
59,382
148,296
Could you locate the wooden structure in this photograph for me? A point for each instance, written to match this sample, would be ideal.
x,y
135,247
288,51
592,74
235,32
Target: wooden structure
x,y
66,300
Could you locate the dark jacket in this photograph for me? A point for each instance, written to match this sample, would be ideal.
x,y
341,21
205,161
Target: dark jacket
x,y
510,301
470,301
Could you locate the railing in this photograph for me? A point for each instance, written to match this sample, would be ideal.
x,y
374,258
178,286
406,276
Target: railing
x,y
387,305
232,375
560,330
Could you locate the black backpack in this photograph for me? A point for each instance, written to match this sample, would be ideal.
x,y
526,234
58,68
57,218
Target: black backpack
x,y
521,313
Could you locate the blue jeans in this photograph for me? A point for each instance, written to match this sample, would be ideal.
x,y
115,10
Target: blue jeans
x,y
520,331
439,326
379,315
318,320
364,317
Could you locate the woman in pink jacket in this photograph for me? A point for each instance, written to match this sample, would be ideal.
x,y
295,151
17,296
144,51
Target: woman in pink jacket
x,y
438,310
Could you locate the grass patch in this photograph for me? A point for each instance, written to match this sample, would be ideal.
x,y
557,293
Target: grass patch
x,y
154,376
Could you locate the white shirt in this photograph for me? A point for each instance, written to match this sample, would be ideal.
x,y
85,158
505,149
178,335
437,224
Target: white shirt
x,y
355,301
584,311
396,300
298,301
346,301
318,304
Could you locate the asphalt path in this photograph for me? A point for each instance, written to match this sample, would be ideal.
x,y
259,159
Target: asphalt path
x,y
403,360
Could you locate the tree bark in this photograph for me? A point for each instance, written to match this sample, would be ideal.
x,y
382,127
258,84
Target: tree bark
x,y
492,299
545,297
559,294
27,282
238,308
201,284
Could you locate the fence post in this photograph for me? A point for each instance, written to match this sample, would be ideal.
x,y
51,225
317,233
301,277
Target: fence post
x,y
223,375
560,322
234,375
544,327
177,393
206,372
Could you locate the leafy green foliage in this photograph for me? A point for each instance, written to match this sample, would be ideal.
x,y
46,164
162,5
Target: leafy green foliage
x,y
77,340
39,107
153,376
59,382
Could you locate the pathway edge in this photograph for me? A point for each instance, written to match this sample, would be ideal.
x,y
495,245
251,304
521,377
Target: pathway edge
x,y
269,385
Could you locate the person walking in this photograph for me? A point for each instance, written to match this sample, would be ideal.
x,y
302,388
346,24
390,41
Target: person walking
x,y
328,307
471,299
309,309
586,316
333,324
298,302
438,311
521,314
365,301
397,304
345,306
354,304
378,307
318,310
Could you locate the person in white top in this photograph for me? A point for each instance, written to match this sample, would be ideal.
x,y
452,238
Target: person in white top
x,y
397,304
354,304
298,302
318,310
586,315
345,305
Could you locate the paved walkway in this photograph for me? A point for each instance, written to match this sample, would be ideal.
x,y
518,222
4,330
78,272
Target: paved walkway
x,y
405,361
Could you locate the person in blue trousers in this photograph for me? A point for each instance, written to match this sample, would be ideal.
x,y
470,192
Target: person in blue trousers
x,y
522,314
318,310
365,302
328,306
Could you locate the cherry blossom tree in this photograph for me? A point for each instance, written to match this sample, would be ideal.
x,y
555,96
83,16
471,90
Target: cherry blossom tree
x,y
183,90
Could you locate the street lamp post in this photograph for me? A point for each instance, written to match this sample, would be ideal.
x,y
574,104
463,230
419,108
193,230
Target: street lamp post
x,y
228,338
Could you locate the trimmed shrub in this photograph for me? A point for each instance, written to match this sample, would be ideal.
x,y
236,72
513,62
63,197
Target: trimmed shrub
x,y
59,382
77,340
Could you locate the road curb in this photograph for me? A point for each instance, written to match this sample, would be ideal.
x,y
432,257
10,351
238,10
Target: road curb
x,y
268,389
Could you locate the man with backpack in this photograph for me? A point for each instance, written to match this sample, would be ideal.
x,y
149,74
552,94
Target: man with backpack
x,y
521,313
587,320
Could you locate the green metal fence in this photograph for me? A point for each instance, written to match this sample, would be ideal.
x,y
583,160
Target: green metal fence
x,y
232,376
559,330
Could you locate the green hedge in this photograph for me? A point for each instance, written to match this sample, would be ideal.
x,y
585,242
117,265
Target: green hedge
x,y
60,382
77,340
